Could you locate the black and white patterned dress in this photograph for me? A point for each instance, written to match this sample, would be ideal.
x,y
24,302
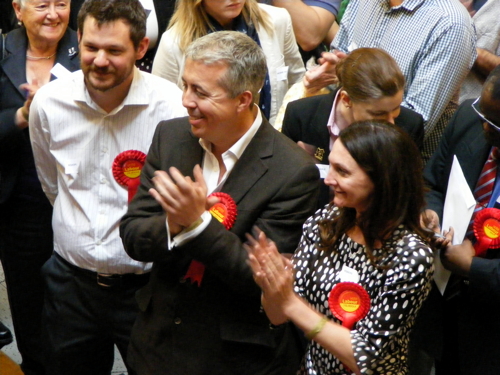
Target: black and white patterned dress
x,y
380,340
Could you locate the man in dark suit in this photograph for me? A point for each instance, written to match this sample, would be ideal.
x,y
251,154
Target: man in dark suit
x,y
306,121
201,311
471,324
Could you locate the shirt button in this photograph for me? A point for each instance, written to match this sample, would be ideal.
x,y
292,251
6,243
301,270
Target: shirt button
x,y
99,242
182,280
177,321
103,180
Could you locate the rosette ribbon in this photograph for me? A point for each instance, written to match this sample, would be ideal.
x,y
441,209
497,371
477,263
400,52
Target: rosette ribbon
x,y
225,212
127,168
487,230
349,302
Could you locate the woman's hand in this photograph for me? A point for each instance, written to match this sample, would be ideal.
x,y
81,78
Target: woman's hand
x,y
274,274
324,74
22,114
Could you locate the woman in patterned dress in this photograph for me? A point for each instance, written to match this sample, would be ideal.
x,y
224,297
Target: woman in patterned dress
x,y
369,234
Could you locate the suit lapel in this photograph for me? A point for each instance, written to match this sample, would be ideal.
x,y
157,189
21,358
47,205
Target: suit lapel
x,y
15,46
319,124
251,166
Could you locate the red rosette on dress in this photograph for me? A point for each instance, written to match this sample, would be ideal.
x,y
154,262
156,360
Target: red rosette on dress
x,y
127,168
349,302
487,230
225,212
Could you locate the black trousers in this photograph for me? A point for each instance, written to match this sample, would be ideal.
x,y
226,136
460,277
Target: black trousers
x,y
83,320
25,245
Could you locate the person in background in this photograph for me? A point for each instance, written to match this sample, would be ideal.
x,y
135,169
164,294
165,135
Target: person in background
x,y
158,14
368,241
268,26
8,19
42,49
200,312
433,42
471,345
485,15
313,22
370,87
90,132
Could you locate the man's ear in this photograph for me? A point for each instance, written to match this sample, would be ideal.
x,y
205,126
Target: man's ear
x,y
142,48
245,100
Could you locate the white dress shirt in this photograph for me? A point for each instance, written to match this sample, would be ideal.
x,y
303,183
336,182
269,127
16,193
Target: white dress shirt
x,y
75,143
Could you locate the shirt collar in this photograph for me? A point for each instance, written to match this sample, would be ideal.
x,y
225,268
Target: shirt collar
x,y
137,94
409,5
239,147
333,128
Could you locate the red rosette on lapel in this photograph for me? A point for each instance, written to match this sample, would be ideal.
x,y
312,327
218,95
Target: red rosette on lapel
x,y
127,168
487,230
349,302
225,212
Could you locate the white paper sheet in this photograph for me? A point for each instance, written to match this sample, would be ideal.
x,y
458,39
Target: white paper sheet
x,y
458,209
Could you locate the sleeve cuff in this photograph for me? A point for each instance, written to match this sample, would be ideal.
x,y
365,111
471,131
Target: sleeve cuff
x,y
187,235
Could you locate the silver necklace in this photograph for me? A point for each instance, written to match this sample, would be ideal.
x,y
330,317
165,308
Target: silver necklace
x,y
40,58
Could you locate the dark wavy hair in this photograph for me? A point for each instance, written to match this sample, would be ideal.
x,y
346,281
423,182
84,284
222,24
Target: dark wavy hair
x,y
392,161
105,11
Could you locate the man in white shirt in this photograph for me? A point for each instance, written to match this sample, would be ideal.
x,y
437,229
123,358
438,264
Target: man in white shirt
x,y
201,310
90,131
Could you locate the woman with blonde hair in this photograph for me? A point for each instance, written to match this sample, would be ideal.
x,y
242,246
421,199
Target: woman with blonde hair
x,y
268,26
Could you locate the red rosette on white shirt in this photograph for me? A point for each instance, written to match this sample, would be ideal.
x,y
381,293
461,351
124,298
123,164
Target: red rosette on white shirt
x,y
127,168
225,212
349,302
487,230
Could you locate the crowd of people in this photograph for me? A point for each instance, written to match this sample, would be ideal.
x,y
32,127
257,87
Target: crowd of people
x,y
148,201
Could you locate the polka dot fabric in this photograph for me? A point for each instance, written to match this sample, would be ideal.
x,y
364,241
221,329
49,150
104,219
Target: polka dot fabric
x,y
380,340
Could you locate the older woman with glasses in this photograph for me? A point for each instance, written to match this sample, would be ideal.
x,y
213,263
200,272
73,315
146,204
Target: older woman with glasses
x,y
33,54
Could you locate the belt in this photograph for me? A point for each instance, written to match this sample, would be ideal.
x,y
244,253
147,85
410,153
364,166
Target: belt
x,y
105,280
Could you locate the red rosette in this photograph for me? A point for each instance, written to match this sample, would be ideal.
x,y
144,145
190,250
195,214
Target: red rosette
x,y
349,302
127,168
224,211
487,230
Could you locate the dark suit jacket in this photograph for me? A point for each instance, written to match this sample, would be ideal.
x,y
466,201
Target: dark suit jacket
x,y
218,328
306,119
478,324
14,141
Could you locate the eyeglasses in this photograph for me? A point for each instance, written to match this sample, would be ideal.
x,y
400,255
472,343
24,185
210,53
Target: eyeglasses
x,y
475,105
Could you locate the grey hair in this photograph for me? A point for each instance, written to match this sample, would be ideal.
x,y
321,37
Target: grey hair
x,y
22,3
245,60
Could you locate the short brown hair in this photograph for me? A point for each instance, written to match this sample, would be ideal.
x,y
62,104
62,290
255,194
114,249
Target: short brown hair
x,y
369,73
105,11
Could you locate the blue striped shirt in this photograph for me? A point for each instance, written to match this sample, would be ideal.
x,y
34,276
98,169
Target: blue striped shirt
x,y
433,41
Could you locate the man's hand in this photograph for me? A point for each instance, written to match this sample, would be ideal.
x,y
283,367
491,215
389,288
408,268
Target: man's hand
x,y
182,199
457,258
325,74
